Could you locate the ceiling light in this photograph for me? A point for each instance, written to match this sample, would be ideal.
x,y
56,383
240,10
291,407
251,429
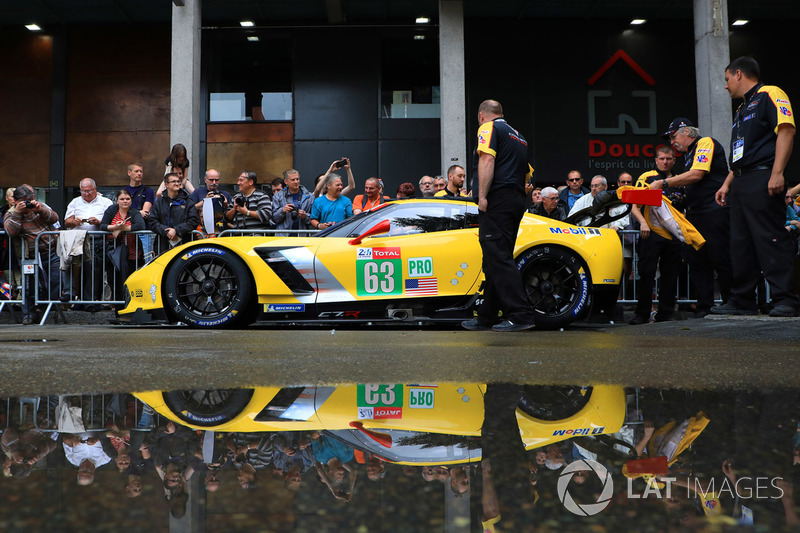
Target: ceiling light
x,y
33,27
423,20
636,22
252,38
419,37
740,22
246,23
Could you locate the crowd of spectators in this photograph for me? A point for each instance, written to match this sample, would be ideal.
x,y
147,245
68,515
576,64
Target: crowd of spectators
x,y
89,263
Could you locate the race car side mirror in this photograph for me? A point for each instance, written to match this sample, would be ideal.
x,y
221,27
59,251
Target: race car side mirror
x,y
381,227
384,439
636,195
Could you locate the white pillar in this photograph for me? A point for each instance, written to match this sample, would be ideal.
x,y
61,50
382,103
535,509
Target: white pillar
x,y
451,83
711,56
185,85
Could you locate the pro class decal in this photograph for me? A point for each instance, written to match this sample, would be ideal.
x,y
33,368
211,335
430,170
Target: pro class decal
x,y
421,398
377,401
379,272
284,308
420,267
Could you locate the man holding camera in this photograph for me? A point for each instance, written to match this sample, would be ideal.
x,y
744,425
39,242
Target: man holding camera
x,y
291,207
27,219
221,199
344,163
251,208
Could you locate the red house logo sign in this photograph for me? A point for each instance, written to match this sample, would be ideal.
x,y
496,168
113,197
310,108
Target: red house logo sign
x,y
622,123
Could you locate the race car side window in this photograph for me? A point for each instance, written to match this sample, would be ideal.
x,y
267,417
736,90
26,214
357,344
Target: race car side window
x,y
409,219
471,216
412,219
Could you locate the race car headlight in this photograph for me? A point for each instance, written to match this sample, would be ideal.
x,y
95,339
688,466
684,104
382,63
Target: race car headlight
x,y
126,295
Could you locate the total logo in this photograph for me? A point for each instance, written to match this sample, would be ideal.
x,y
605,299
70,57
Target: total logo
x,y
379,413
587,509
386,253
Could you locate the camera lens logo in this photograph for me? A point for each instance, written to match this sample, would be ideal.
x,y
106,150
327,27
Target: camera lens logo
x,y
589,509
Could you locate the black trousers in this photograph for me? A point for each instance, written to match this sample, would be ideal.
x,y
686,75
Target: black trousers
x,y
503,290
759,242
653,251
714,256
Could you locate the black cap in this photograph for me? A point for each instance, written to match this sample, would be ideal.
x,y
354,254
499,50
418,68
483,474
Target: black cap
x,y
675,125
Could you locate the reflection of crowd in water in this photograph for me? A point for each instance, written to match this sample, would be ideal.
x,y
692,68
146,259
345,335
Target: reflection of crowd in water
x,y
728,464
151,452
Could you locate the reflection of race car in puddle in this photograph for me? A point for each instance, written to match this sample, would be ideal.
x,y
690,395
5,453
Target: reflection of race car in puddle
x,y
415,423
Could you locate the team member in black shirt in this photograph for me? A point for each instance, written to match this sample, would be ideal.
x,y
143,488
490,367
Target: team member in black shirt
x,y
501,168
761,143
704,173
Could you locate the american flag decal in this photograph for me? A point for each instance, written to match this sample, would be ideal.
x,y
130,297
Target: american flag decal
x,y
422,286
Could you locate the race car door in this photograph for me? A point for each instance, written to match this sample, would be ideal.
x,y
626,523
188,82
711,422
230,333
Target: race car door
x,y
430,250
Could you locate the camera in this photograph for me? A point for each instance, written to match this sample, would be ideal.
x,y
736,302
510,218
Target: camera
x,y
29,204
339,164
239,201
293,212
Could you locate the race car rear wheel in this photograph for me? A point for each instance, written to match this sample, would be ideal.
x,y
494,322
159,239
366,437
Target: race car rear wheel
x,y
557,283
209,407
553,402
209,287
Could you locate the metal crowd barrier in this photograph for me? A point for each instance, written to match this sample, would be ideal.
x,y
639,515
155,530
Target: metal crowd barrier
x,y
98,412
89,279
11,292
629,287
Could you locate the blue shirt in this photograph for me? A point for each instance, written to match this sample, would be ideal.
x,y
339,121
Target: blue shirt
x,y
140,195
327,210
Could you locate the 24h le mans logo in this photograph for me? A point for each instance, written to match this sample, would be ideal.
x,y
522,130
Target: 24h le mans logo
x,y
588,509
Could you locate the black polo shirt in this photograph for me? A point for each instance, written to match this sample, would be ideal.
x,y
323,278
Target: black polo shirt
x,y
755,126
510,150
708,155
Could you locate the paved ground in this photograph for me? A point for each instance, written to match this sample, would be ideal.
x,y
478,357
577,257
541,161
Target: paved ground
x,y
88,354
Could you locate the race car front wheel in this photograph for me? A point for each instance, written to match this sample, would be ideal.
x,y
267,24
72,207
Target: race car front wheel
x,y
553,402
557,283
208,407
209,287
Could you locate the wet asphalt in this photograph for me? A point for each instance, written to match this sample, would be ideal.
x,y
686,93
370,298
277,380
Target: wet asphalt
x,y
88,354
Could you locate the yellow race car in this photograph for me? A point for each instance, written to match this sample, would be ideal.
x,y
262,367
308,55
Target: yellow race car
x,y
386,413
411,260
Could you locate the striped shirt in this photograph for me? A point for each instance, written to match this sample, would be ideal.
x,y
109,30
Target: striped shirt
x,y
30,225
